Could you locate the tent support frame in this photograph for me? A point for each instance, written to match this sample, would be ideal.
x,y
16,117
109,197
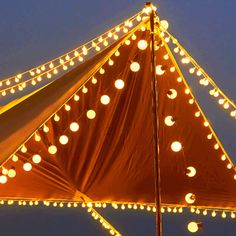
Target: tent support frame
x,y
155,127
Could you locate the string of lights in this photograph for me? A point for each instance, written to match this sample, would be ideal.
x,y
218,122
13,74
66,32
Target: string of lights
x,y
96,216
165,208
67,60
204,78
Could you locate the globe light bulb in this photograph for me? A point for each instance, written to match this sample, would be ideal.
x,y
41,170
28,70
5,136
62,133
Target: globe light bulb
x,y
142,44
27,166
105,99
193,227
36,159
12,173
63,139
134,66
91,114
164,25
176,146
74,126
3,179
52,149
190,198
169,121
119,84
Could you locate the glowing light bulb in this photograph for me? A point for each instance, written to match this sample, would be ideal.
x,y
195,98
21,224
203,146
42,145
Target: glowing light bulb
x,y
105,99
76,54
84,89
110,62
85,50
169,121
216,94
229,166
15,158
209,136
3,179
138,18
193,227
101,71
206,123
166,56
223,157
172,94
190,198
199,73
36,158
4,171
187,91
164,25
191,101
105,43
94,80
76,97
179,79
51,65
74,126
56,118
192,70
127,42
52,149
133,37
160,70
191,171
221,101
226,105
213,214
65,67
117,53
49,76
176,49
12,173
63,139
67,107
45,129
233,113
23,149
91,114
142,44
223,215
135,67
181,53
119,84
197,114
27,166
176,146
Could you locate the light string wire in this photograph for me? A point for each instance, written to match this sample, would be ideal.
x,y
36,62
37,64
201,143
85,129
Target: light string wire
x,y
123,24
175,41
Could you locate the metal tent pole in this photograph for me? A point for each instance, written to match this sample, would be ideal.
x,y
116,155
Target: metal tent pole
x,y
155,126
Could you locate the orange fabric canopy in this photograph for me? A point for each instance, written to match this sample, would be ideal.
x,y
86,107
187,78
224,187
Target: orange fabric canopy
x,y
110,158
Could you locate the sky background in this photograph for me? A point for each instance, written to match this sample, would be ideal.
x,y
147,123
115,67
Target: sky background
x,y
32,32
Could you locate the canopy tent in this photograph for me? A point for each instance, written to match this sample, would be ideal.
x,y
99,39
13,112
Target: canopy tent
x,y
87,138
